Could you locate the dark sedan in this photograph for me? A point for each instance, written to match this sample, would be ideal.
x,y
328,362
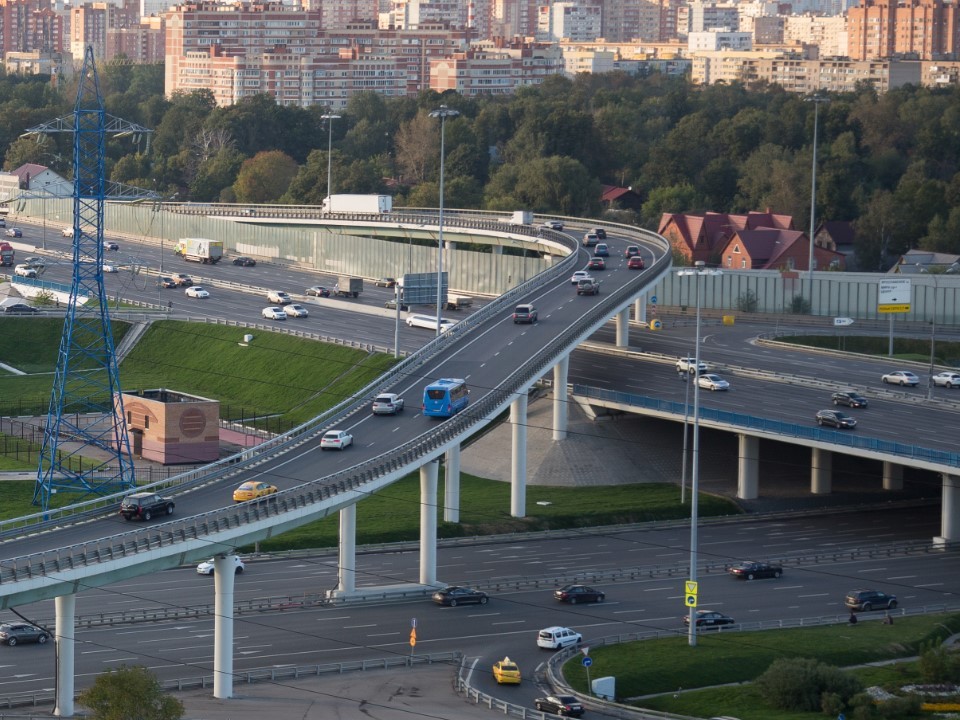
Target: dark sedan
x,y
563,705
166,282
837,419
244,261
710,618
850,399
317,291
753,570
19,309
456,595
578,593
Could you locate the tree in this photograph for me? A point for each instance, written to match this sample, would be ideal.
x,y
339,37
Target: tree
x,y
129,693
418,148
265,177
39,150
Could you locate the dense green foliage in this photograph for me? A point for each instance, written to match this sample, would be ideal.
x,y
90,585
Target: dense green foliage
x,y
890,163
129,693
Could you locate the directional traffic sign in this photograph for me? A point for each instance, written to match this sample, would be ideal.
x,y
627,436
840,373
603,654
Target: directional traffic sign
x,y
691,587
690,601
587,661
893,296
653,299
842,322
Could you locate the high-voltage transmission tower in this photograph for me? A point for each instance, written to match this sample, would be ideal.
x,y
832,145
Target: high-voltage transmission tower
x,y
86,407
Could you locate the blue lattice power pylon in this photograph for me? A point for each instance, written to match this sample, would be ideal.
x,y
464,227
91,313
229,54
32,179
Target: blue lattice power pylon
x,y
86,407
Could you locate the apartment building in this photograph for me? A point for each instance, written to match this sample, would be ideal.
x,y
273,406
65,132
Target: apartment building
x,y
568,20
31,25
923,29
497,71
829,33
645,20
719,40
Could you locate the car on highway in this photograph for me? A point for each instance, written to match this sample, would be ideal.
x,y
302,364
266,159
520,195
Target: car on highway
x,y
110,245
574,594
14,232
279,297
947,379
459,595
253,490
901,377
196,291
27,271
556,637
387,404
429,322
601,250
19,309
562,705
109,268
631,251
145,506
525,313
590,239
336,440
295,311
552,225
599,232
636,263
867,600
754,570
34,261
588,286
67,232
596,263
244,261
506,672
709,618
387,282
578,276
317,291
21,632
166,282
686,364
207,567
850,399
835,418
273,313
182,279
712,382
391,304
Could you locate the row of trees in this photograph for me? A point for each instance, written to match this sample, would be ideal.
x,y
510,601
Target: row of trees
x,y
889,163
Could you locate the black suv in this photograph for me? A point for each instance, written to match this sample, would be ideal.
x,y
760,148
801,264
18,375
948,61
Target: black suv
x,y
867,600
850,399
144,505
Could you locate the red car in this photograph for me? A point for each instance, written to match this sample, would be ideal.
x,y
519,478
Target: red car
x,y
635,263
596,263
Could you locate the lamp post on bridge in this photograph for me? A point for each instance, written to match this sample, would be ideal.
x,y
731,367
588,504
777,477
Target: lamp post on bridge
x,y
329,117
442,112
816,100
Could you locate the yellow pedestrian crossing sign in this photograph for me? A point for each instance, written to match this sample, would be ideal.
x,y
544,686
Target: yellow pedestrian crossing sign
x,y
691,587
690,601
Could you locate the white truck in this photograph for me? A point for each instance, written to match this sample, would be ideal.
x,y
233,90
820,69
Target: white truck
x,y
521,217
370,204
199,250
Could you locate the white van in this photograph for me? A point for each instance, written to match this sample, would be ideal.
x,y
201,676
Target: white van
x,y
556,637
429,322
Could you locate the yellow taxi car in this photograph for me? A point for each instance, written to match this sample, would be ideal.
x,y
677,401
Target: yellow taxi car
x,y
253,490
506,672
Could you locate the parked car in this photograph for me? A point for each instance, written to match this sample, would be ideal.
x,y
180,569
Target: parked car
x,y
553,225
110,245
524,314
295,310
253,490
195,291
556,637
317,291
166,282
244,261
601,250
387,282
709,618
947,379
867,600
273,313
754,570
835,418
14,232
506,672
207,567
145,505
901,377
19,309
596,263
574,594
850,399
631,251
336,440
563,705
636,263
387,404
21,632
458,595
712,382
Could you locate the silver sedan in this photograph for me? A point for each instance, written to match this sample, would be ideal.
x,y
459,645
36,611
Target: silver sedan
x,y
712,382
901,377
947,379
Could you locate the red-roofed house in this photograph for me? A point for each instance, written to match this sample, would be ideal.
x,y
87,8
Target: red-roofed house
x,y
701,237
776,249
624,197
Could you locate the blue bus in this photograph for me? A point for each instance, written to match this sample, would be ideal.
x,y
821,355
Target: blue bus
x,y
445,397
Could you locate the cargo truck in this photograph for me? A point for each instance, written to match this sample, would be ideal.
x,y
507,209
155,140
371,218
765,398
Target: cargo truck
x,y
370,204
6,253
348,286
521,217
458,302
199,250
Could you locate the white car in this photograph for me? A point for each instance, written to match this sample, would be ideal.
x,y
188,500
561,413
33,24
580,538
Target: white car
x,y
901,377
947,379
387,404
109,245
336,440
429,322
108,268
196,291
712,382
556,637
207,567
67,232
296,311
279,297
273,313
578,276
25,271
686,364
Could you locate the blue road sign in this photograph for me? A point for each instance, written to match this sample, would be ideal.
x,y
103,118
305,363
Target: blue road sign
x,y
587,661
653,299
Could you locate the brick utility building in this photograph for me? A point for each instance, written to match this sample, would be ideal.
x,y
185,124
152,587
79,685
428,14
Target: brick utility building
x,y
171,427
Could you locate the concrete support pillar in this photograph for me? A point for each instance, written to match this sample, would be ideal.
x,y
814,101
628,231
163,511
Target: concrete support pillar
x,y
560,398
223,582
428,523
451,486
65,608
348,550
821,471
623,328
950,513
892,476
518,465
748,478
640,308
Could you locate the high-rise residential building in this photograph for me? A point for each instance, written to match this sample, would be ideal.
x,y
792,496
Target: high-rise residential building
x,y
828,33
924,29
89,23
30,25
569,20
626,20
708,15
143,43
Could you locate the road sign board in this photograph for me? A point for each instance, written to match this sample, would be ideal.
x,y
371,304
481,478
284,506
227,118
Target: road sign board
x,y
587,662
421,288
893,296
841,322
691,587
690,601
653,300
585,649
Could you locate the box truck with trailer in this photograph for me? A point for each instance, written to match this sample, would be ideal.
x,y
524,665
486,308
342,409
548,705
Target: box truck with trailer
x,y
370,204
199,250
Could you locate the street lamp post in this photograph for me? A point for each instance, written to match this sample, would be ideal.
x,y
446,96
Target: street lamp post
x,y
933,328
442,112
816,100
329,117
